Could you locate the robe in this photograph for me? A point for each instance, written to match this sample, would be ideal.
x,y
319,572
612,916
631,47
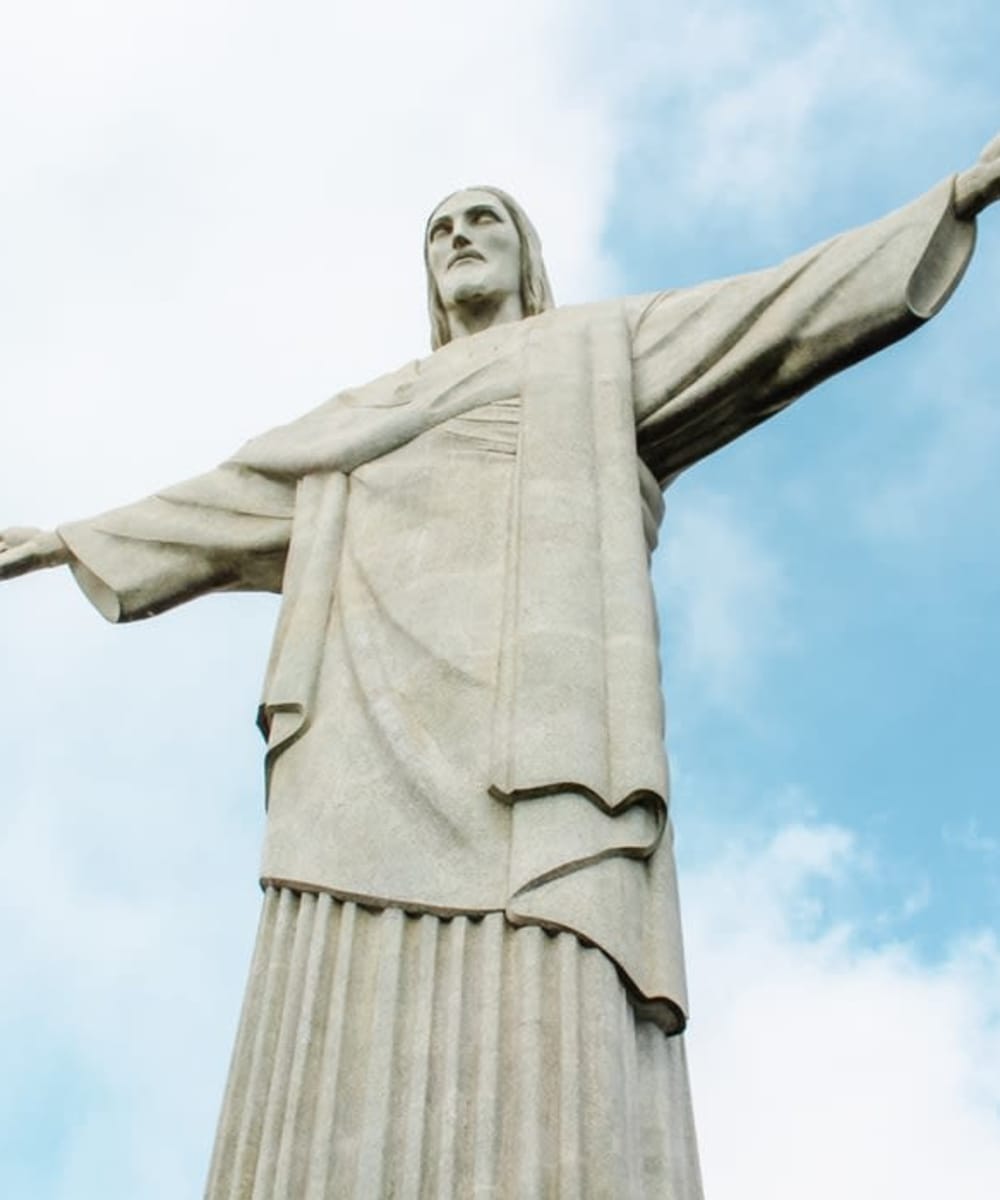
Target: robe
x,y
463,706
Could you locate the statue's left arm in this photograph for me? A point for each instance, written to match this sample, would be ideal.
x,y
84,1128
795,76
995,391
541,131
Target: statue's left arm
x,y
979,186
713,361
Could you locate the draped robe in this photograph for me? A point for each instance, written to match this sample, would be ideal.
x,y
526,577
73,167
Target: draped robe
x,y
462,706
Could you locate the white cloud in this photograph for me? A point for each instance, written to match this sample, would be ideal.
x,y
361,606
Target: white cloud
x,y
735,111
121,981
828,1062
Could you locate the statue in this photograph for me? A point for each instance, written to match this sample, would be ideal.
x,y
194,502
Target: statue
x,y
469,977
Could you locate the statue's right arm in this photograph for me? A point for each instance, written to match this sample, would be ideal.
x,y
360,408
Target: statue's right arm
x,y
23,550
227,530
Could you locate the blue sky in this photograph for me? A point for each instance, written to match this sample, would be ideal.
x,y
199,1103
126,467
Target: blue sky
x,y
211,221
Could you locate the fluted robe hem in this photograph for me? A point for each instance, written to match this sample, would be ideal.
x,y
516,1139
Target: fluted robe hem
x,y
387,1054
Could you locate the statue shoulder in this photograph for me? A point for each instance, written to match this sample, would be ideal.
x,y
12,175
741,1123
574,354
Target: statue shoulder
x,y
599,314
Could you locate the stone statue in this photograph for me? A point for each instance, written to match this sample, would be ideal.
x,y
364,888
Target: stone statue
x,y
468,978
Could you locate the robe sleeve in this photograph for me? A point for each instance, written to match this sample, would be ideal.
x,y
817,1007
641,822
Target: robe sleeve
x,y
227,530
713,361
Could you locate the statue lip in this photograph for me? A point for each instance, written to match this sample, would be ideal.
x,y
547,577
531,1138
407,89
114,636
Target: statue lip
x,y
463,255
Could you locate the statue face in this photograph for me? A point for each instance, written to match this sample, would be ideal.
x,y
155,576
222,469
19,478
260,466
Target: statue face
x,y
473,250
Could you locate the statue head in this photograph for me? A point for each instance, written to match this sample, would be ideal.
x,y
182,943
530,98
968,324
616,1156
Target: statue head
x,y
524,269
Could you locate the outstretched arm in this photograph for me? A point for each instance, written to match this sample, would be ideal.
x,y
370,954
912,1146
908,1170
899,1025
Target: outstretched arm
x,y
23,550
979,186
227,530
713,361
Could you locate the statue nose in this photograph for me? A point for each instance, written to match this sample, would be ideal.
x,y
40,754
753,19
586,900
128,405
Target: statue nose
x,y
460,240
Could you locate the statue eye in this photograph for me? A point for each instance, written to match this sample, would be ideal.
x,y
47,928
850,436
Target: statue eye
x,y
437,229
484,216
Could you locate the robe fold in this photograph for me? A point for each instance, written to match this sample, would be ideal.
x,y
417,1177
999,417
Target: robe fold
x,y
463,704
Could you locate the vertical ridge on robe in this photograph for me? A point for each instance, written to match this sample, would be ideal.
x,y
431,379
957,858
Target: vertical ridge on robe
x,y
581,642
387,1054
313,558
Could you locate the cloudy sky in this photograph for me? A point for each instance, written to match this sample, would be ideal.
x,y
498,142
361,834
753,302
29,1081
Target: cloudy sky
x,y
210,221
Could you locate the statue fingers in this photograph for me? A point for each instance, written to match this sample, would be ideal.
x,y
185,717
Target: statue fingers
x,y
23,550
18,535
18,560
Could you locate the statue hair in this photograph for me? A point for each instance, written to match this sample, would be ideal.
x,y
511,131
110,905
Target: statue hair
x,y
536,292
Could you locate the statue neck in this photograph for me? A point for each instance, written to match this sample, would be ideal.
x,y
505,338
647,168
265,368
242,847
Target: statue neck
x,y
474,315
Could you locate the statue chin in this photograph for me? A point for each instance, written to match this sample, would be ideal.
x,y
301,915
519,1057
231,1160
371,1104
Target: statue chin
x,y
472,293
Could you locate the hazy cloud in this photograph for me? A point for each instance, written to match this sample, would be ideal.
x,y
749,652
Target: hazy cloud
x,y
734,110
724,596
828,1061
973,838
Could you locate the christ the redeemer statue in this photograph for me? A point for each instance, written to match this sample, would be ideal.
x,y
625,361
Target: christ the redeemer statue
x,y
468,980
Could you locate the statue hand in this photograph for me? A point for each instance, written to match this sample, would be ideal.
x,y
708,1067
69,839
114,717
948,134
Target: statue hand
x,y
979,186
23,550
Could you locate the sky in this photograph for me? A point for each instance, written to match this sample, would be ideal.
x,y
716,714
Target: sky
x,y
210,221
